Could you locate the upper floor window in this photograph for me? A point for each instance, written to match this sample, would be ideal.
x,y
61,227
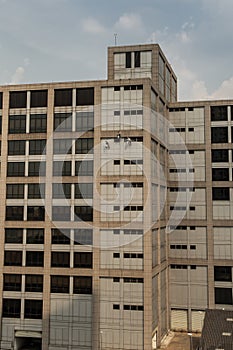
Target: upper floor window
x,y
39,98
38,123
218,113
85,96
219,135
62,122
17,124
11,308
62,97
18,99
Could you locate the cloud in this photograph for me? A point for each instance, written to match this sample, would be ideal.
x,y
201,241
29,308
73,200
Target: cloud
x,y
224,91
17,77
92,26
129,21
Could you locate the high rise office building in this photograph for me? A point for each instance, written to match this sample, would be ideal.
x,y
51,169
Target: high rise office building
x,y
116,213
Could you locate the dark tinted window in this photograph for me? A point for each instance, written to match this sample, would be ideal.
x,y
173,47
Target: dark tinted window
x,y
84,190
60,236
84,121
221,193
219,155
223,273
14,213
38,123
17,124
0,100
61,190
60,284
83,213
15,169
13,258
218,113
60,259
39,98
85,96
128,60
83,146
82,285
13,235
63,97
36,191
83,236
11,308
35,258
12,282
15,191
18,99
37,147
36,169
83,260
219,135
223,296
16,147
220,174
33,309
62,122
35,213
34,283
137,59
35,236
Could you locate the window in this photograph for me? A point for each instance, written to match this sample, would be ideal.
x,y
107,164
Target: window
x,y
36,191
61,236
128,60
84,121
62,122
62,146
12,258
116,255
83,213
34,283
0,100
220,174
116,162
35,213
137,59
84,168
60,259
12,282
223,273
16,148
13,235
61,168
116,307
60,284
223,296
37,147
17,124
82,285
35,236
14,213
61,213
61,190
11,308
133,307
84,190
218,113
83,236
62,97
38,123
221,193
33,309
83,146
14,191
35,258
220,155
85,96
39,98
219,135
18,99
36,169
83,260
132,280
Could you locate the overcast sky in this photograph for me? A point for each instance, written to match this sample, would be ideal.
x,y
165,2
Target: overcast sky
x,y
62,40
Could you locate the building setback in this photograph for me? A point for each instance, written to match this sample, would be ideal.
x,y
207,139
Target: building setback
x,y
116,214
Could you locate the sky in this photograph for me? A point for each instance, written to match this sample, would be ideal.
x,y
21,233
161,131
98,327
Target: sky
x,y
67,40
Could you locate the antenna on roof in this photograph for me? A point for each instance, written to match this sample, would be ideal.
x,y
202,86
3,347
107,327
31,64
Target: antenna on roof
x,y
115,36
